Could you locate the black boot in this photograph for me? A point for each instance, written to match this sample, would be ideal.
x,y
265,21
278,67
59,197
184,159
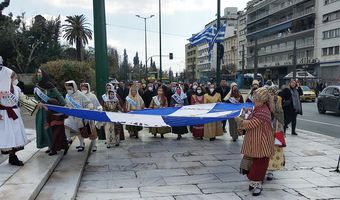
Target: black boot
x,y
13,160
179,136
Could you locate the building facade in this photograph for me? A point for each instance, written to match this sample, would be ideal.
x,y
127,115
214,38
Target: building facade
x,y
328,40
191,61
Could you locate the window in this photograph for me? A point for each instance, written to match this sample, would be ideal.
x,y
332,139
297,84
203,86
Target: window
x,y
334,33
331,16
336,50
324,51
330,51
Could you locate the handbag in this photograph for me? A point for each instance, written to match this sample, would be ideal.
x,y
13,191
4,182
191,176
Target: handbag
x,y
245,165
280,139
85,132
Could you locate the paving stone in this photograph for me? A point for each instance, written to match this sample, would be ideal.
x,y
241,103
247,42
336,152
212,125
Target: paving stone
x,y
169,190
293,183
184,158
217,196
321,182
209,188
176,165
231,177
195,179
161,173
102,176
108,194
210,170
136,182
270,195
321,193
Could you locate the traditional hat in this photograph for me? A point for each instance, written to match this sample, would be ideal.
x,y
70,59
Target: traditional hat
x,y
256,82
261,94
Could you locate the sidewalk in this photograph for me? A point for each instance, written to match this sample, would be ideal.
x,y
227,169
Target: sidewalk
x,y
164,169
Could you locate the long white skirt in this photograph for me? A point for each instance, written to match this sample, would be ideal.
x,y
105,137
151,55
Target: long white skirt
x,y
12,132
74,123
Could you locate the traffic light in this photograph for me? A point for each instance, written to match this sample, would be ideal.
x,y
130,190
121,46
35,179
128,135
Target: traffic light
x,y
171,56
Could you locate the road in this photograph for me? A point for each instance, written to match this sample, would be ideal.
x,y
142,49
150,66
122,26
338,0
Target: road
x,y
311,120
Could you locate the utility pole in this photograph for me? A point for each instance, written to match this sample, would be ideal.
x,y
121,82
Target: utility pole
x,y
160,40
243,60
255,60
100,45
146,44
294,60
218,61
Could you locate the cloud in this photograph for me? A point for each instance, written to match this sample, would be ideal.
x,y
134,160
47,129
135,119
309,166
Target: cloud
x,y
147,6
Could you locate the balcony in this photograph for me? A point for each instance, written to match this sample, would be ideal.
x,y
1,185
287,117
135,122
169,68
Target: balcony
x,y
282,21
278,37
274,10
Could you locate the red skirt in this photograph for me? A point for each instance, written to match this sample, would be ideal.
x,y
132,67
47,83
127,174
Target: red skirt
x,y
198,131
258,169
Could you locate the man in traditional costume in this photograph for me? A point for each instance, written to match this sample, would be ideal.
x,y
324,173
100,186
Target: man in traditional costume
x,y
49,125
75,99
177,100
134,102
12,134
214,129
159,101
86,89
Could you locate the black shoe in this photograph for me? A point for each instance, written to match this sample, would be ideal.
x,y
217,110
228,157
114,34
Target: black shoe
x,y
13,160
294,133
212,139
108,146
201,138
137,137
117,145
179,137
81,149
162,135
251,188
78,147
48,151
257,191
52,153
154,135
65,151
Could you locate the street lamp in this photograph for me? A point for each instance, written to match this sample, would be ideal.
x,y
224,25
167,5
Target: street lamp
x,y
146,44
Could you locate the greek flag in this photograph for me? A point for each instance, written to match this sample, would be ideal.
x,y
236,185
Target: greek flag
x,y
172,116
206,35
218,38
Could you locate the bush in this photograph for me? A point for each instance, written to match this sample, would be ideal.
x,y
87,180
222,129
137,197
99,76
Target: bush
x,y
61,71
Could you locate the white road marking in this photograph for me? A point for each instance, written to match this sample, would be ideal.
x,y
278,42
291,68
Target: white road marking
x,y
324,123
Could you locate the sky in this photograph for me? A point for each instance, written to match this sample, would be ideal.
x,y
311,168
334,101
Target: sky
x,y
180,19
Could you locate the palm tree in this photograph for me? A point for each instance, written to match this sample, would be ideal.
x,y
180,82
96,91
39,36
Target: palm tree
x,y
78,32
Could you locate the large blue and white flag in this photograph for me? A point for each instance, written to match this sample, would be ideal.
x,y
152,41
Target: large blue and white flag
x,y
206,35
218,38
172,116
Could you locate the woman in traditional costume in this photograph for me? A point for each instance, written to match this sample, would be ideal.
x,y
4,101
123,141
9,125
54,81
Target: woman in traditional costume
x,y
254,86
177,100
197,98
105,97
159,101
49,124
75,99
112,130
277,162
12,134
134,102
234,96
86,89
214,129
258,143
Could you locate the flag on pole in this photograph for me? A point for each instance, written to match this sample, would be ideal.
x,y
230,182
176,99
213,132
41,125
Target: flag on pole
x,y
218,38
206,35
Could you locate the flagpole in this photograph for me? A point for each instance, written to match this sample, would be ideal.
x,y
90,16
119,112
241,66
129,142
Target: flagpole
x,y
218,61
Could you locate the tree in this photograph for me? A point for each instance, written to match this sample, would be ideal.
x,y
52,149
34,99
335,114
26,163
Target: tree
x,y
124,66
77,32
113,59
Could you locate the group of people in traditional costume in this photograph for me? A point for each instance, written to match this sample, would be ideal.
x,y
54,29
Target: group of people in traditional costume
x,y
263,128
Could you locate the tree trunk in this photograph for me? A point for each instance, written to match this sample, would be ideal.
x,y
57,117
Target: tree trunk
x,y
78,48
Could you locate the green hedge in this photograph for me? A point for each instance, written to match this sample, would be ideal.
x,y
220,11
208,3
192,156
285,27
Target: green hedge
x,y
61,71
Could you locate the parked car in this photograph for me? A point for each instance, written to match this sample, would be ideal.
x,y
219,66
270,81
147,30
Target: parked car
x,y
308,94
329,99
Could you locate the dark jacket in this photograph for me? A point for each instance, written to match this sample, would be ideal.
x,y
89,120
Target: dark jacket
x,y
147,97
223,91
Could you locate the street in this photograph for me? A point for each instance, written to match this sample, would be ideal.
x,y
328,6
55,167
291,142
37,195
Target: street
x,y
311,120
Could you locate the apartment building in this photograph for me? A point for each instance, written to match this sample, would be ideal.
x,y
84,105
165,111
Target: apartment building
x,y
328,40
242,39
273,26
190,60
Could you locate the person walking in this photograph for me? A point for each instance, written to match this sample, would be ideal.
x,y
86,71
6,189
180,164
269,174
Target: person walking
x,y
12,134
159,101
291,104
53,135
177,100
258,143
134,102
234,97
198,98
214,129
